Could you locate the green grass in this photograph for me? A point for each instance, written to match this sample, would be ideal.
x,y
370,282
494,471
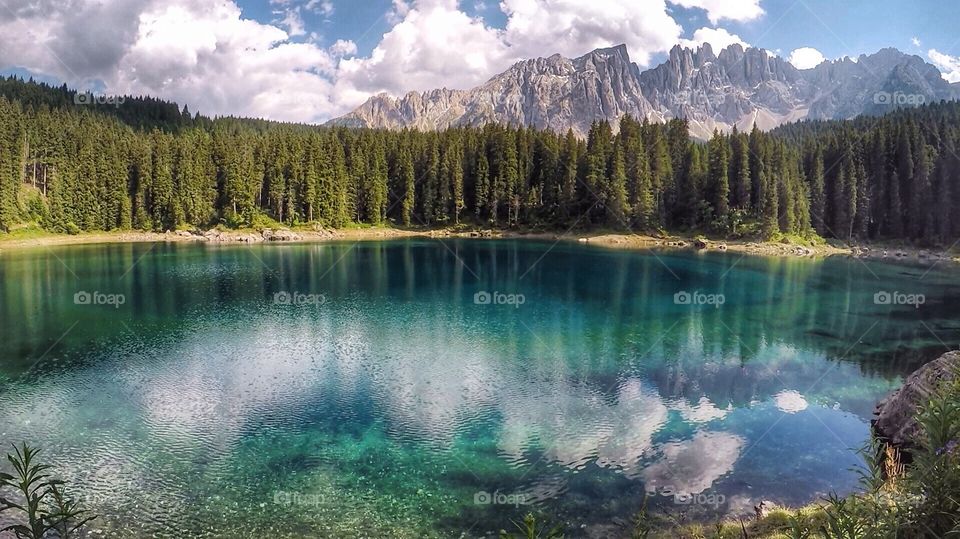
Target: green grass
x,y
26,231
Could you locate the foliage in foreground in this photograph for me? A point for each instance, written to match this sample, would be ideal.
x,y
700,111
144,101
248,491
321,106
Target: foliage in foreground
x,y
923,502
41,507
529,530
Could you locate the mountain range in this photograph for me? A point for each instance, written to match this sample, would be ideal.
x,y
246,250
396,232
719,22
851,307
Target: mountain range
x,y
737,87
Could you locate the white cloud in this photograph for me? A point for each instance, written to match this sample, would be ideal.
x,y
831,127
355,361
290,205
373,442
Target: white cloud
x,y
718,38
208,54
323,7
915,41
573,27
343,47
734,10
435,44
398,11
806,58
949,65
221,63
293,22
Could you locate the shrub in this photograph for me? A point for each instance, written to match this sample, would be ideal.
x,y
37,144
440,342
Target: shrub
x,y
44,509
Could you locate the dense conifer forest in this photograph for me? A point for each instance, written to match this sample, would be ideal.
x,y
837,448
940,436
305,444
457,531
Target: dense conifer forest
x,y
147,164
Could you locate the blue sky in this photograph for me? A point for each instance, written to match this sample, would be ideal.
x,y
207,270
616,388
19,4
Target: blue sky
x,y
310,60
835,27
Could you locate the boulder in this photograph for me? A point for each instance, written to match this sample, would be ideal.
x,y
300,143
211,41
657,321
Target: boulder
x,y
896,422
279,235
700,243
213,235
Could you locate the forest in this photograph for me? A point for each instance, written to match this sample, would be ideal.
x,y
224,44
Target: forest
x,y
147,164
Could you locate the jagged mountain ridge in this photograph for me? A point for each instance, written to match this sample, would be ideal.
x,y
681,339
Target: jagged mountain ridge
x,y
737,87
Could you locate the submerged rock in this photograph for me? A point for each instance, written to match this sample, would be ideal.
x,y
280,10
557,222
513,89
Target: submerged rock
x,y
896,422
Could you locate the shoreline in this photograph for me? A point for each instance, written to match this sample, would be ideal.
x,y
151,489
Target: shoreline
x,y
613,240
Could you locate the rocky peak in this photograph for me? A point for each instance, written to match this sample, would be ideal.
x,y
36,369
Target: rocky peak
x,y
617,54
739,87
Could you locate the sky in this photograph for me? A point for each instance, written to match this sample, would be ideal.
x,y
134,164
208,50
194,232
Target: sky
x,y
312,60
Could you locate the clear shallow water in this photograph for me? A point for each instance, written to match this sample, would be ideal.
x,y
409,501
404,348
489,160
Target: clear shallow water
x,y
202,408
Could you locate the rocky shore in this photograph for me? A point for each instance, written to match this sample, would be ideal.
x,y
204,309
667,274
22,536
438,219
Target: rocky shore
x,y
611,240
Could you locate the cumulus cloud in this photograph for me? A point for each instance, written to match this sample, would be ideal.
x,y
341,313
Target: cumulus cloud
x,y
207,54
572,28
734,10
343,47
718,38
221,63
74,41
293,22
948,65
806,58
435,44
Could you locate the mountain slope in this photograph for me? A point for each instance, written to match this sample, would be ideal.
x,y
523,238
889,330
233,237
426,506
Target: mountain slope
x,y
736,88
556,93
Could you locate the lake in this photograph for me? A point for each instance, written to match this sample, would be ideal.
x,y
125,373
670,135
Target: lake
x,y
426,388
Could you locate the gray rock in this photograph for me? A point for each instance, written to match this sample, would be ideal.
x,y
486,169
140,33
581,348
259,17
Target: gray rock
x,y
736,88
896,421
280,235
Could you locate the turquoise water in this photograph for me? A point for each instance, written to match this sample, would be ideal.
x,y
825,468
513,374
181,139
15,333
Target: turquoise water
x,y
382,401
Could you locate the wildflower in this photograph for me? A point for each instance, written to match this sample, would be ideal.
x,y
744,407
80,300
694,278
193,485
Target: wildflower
x,y
948,449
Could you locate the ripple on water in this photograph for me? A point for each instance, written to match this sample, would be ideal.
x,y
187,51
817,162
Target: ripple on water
x,y
196,408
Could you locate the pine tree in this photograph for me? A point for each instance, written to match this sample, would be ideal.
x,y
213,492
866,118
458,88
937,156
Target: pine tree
x,y
642,200
740,172
719,181
376,203
770,225
408,178
615,195
456,172
818,203
431,183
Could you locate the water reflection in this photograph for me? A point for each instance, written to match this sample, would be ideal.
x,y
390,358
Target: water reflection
x,y
692,466
399,396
